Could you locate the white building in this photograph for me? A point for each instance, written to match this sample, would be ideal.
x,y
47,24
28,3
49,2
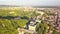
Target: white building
x,y
32,26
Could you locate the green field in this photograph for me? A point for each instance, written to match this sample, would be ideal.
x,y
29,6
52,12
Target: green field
x,y
8,25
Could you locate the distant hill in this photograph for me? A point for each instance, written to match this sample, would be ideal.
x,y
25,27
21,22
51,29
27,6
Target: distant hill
x,y
46,6
9,6
30,6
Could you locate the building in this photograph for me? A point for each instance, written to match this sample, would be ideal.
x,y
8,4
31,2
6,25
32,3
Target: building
x,y
32,26
23,31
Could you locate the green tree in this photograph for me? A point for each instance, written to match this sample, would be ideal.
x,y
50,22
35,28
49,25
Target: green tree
x,y
55,32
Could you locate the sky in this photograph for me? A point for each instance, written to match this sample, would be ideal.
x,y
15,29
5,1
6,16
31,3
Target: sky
x,y
31,2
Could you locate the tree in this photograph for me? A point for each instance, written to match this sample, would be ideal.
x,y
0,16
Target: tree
x,y
55,32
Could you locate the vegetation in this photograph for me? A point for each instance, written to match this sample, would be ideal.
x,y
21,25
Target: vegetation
x,y
43,28
10,26
8,23
55,32
10,20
